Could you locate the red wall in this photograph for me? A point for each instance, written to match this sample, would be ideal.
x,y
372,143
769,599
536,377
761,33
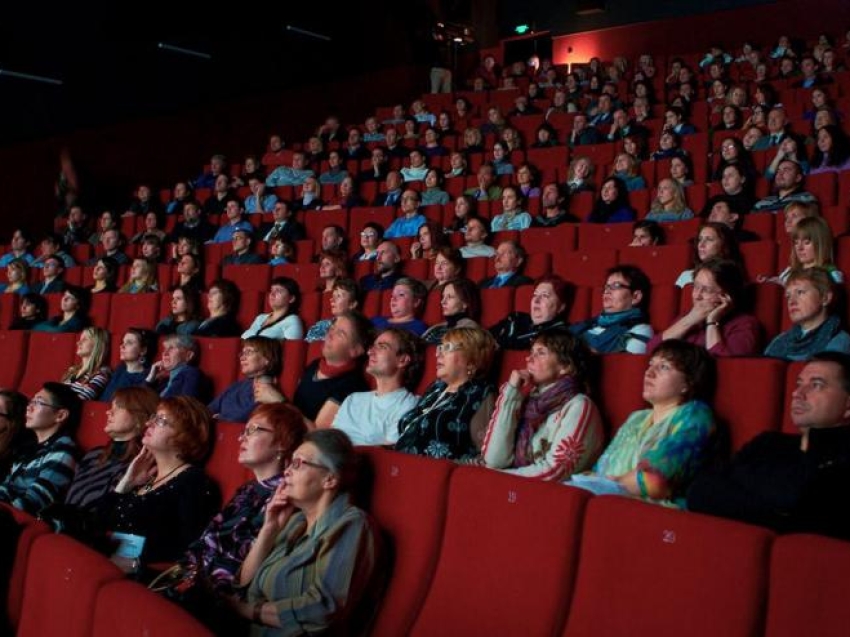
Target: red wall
x,y
694,34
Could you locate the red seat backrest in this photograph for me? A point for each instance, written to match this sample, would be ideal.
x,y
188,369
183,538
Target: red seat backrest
x,y
809,587
402,485
712,573
49,355
14,348
536,531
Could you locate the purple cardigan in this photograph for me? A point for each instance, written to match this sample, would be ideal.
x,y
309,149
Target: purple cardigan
x,y
741,337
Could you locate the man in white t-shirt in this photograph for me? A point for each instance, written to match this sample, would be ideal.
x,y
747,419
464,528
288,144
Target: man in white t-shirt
x,y
371,417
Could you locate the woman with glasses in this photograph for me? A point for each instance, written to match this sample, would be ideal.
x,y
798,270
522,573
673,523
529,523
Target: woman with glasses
x,y
622,326
716,320
370,237
210,564
314,562
102,467
283,322
450,419
544,425
164,499
89,377
657,451
260,362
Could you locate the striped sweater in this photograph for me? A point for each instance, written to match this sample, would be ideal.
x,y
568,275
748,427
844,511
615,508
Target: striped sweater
x,y
41,477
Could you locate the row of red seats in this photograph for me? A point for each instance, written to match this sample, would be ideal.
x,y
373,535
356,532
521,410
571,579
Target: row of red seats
x,y
562,563
59,586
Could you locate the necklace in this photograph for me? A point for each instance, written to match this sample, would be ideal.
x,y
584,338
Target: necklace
x,y
147,488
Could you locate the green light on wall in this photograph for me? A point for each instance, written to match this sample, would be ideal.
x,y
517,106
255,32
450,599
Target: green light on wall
x,y
522,29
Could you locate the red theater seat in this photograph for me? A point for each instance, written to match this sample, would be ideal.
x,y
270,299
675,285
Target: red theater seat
x,y
48,356
809,587
649,570
90,433
219,360
620,387
403,484
128,609
527,561
763,381
14,348
253,278
63,578
223,464
662,264
31,529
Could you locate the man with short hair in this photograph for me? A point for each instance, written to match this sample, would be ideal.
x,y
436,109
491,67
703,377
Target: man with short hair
x,y
788,188
792,482
327,381
777,122
42,474
475,236
408,224
487,189
333,238
235,221
21,241
258,201
508,261
283,225
386,271
193,226
112,243
52,273
293,175
377,170
583,134
176,372
180,197
553,210
392,197
371,417
241,254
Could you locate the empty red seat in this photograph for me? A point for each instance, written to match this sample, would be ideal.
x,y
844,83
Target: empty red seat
x,y
401,485
48,357
14,348
706,573
63,577
763,380
552,240
127,609
527,561
809,587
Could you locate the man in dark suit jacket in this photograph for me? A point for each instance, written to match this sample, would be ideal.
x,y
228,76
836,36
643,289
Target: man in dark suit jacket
x,y
508,261
392,197
192,226
284,225
52,272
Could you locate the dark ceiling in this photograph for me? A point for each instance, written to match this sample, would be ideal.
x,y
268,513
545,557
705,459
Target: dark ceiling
x,y
112,68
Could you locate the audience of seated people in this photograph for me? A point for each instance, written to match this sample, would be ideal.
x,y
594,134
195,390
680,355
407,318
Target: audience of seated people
x,y
541,424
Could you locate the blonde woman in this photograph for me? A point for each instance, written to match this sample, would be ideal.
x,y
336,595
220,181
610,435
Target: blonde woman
x,y
142,277
811,246
90,375
17,273
669,203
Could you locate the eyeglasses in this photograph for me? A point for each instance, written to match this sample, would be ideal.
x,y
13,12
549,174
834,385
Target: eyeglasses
x,y
298,462
446,348
159,421
613,287
250,430
40,402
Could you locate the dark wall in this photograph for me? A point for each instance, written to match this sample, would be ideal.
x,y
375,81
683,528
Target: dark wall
x,y
159,150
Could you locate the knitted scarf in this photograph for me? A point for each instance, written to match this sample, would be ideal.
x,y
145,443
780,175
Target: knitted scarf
x,y
795,345
617,326
537,408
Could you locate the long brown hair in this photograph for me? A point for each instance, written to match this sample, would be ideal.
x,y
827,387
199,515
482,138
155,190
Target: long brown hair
x,y
141,402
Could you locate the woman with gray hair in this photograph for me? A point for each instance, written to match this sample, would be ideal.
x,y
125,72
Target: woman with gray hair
x,y
313,564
